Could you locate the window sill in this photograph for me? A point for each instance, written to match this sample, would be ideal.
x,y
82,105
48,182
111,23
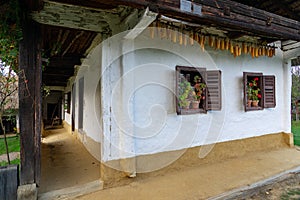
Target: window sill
x,y
191,111
253,108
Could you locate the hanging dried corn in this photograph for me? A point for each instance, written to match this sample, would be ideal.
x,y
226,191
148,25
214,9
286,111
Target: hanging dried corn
x,y
218,43
163,32
227,44
263,51
222,44
192,38
185,39
180,38
174,36
169,33
202,42
151,29
158,28
231,48
211,40
273,51
244,48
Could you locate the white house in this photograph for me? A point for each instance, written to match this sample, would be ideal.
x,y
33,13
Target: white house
x,y
126,112
126,101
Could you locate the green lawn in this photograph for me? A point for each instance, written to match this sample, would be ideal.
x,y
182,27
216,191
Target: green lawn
x,y
290,194
13,144
296,132
13,162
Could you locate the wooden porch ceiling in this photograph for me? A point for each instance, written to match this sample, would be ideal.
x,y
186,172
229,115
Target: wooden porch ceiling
x,y
65,40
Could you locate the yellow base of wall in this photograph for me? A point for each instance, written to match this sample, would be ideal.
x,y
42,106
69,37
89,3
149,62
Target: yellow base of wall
x,y
188,158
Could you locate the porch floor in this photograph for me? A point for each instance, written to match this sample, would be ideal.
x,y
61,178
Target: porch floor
x,y
65,162
207,180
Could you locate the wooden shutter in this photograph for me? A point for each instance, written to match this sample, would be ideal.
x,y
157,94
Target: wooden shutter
x,y
214,90
269,91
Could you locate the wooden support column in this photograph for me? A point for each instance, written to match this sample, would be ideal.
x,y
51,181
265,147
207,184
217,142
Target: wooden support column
x,y
30,102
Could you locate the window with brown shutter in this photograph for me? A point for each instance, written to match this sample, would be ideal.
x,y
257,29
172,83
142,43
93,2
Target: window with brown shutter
x,y
197,90
214,90
269,91
259,91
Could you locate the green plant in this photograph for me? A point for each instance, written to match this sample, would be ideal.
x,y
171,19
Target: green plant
x,y
199,88
184,93
253,91
10,33
13,143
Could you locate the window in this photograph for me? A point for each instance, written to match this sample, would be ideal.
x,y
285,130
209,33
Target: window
x,y
197,90
68,102
259,91
80,102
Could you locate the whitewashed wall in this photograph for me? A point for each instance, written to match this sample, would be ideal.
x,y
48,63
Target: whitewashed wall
x,y
135,109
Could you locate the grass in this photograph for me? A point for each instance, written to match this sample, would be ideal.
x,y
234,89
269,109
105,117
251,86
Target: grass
x,y
296,132
13,162
291,194
13,144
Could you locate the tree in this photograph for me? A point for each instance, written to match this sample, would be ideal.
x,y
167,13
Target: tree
x,y
10,35
295,88
8,97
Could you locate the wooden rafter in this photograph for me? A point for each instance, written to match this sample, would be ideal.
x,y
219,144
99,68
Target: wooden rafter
x,y
242,17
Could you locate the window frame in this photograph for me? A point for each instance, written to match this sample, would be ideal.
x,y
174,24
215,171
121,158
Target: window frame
x,y
68,102
215,92
265,86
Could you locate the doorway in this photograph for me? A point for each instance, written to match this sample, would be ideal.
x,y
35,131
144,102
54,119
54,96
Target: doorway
x,y
73,106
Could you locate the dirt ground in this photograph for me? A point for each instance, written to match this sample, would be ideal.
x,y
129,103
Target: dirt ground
x,y
286,190
210,180
12,156
65,162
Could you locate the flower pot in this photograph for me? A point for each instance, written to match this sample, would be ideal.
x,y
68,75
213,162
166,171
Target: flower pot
x,y
187,106
255,103
195,104
249,102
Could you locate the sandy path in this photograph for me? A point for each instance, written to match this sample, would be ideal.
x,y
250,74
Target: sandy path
x,y
12,156
207,180
65,162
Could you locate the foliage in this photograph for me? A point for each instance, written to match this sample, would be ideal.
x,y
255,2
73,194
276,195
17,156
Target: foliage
x,y
13,162
290,194
199,88
295,85
10,35
8,96
10,32
296,132
253,91
185,92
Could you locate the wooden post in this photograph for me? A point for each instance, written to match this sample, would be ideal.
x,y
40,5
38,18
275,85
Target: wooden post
x,y
30,102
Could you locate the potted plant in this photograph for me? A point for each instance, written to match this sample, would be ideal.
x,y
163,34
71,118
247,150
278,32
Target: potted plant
x,y
199,88
195,101
253,93
184,93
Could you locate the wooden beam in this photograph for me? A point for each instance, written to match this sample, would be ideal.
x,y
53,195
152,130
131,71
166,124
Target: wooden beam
x,y
32,5
147,18
64,61
59,70
76,17
292,54
242,17
30,102
55,83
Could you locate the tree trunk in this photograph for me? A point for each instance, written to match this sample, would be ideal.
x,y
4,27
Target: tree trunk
x,y
5,139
